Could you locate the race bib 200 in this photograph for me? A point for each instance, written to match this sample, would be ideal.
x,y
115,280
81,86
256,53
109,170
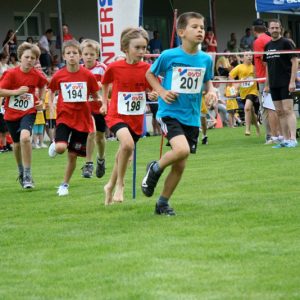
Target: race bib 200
x,y
21,102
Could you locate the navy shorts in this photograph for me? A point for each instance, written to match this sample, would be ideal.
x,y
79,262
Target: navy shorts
x,y
281,93
99,122
118,126
172,127
15,127
76,140
3,127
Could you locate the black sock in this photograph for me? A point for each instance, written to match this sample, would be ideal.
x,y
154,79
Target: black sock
x,y
162,201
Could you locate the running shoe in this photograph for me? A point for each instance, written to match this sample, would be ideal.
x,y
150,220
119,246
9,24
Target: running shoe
x,y
63,189
87,170
51,151
28,182
281,145
20,179
100,168
43,145
205,140
164,210
291,144
150,180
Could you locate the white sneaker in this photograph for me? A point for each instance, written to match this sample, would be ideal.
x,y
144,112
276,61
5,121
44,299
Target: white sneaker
x,y
35,146
63,189
43,145
51,151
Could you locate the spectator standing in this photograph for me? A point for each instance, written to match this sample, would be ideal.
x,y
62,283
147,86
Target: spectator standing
x,y
10,43
281,82
269,116
246,42
3,63
210,40
67,36
44,44
232,44
287,34
155,44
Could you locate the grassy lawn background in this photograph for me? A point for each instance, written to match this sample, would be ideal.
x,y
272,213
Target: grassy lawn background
x,y
236,234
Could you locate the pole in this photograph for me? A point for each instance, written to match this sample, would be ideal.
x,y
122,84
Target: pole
x,y
59,34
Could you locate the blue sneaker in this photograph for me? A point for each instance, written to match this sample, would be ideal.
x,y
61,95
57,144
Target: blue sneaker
x,y
291,144
281,145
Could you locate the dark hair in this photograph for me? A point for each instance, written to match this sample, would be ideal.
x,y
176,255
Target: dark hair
x,y
29,38
183,19
49,31
3,55
274,21
13,55
8,37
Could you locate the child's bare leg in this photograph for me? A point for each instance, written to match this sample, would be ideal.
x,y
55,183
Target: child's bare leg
x,y
109,187
248,114
255,123
71,165
126,148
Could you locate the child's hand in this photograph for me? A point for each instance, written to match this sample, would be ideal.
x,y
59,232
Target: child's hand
x,y
168,96
21,90
103,109
211,98
39,105
153,95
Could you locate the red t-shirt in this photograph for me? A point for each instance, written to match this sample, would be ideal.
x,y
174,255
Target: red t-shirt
x,y
18,106
126,79
259,46
67,37
74,89
98,70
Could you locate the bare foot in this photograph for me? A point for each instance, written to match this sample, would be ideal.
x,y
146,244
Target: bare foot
x,y
247,133
108,195
119,194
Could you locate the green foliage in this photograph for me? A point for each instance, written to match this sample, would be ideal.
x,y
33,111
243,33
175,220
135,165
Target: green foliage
x,y
235,236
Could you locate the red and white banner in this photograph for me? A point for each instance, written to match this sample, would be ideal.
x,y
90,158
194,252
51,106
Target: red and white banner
x,y
113,17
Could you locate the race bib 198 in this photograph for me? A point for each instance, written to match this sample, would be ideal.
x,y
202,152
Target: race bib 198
x,y
21,102
187,80
74,91
131,103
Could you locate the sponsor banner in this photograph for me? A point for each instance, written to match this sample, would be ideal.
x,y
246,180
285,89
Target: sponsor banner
x,y
113,17
277,5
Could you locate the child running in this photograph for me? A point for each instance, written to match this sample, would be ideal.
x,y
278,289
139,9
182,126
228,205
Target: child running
x,y
248,91
19,86
126,109
185,70
90,53
231,103
74,83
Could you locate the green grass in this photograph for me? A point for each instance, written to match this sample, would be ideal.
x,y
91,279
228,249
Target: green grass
x,y
235,236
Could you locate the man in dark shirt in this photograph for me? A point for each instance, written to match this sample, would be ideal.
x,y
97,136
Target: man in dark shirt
x,y
281,78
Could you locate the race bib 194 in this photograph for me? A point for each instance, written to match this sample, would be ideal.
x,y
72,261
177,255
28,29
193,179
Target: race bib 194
x,y
74,91
187,80
131,103
21,102
248,83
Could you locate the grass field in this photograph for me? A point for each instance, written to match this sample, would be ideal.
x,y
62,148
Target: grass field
x,y
236,234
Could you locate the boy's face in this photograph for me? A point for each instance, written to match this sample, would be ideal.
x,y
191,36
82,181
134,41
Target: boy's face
x,y
248,58
194,31
28,59
89,56
71,55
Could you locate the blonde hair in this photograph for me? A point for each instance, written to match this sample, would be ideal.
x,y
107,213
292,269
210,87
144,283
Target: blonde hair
x,y
88,43
28,46
71,43
131,33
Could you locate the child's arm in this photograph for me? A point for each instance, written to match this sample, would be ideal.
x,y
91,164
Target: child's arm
x,y
7,93
167,96
105,92
51,96
41,95
210,96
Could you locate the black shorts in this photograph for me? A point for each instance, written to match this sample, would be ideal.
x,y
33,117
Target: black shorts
x,y
255,100
172,127
99,122
281,93
15,127
118,126
76,140
3,127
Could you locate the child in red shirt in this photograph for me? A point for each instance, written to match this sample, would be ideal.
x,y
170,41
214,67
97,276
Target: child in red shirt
x,y
19,86
125,114
90,52
74,122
